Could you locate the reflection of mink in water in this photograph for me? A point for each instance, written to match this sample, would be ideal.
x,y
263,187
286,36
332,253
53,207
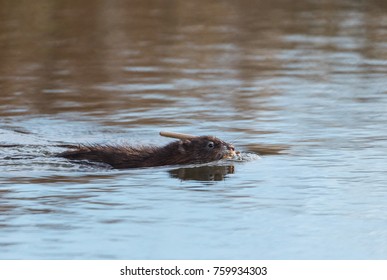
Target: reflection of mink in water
x,y
196,150
202,173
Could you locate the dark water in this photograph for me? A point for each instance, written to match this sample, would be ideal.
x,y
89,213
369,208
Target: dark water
x,y
302,83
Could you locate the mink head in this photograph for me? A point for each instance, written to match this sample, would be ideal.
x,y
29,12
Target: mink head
x,y
206,149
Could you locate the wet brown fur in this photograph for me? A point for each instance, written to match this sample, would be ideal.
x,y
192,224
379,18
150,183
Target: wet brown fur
x,y
196,150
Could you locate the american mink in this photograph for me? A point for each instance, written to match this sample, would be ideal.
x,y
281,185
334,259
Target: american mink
x,y
200,149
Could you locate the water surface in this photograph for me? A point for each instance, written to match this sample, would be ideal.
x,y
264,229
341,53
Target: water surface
x,y
302,83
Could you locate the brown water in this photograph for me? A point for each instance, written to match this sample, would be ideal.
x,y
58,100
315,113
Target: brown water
x,y
302,83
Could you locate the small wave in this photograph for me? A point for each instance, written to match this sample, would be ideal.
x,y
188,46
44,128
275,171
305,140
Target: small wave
x,y
245,157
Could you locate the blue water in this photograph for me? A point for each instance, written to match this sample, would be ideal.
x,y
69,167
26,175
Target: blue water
x,y
301,85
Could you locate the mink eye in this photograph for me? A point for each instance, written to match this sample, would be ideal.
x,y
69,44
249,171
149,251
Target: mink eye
x,y
210,145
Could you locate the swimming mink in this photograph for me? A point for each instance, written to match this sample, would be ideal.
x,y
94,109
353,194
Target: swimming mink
x,y
199,149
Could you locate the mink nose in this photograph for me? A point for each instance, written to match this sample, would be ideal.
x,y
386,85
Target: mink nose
x,y
231,150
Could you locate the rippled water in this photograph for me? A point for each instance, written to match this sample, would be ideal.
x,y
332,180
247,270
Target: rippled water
x,y
301,83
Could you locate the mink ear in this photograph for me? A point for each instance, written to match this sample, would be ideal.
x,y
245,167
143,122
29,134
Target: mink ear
x,y
183,146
